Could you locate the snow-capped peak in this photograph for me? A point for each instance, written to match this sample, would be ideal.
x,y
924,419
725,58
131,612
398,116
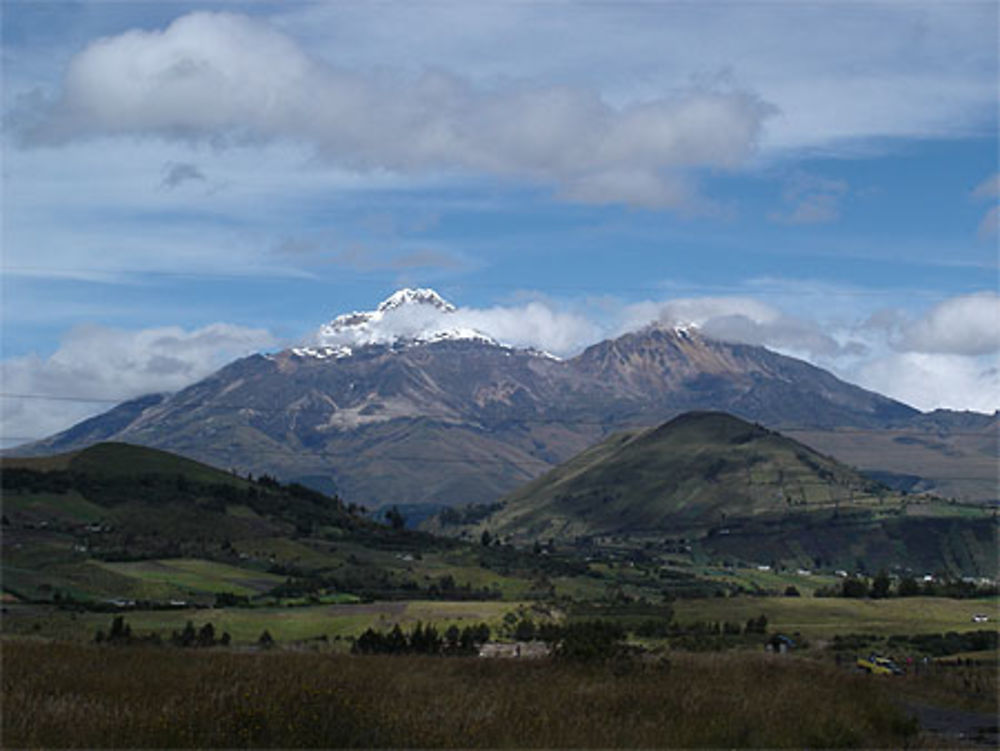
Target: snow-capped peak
x,y
406,316
422,296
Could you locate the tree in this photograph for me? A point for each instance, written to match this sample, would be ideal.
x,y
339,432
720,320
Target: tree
x,y
485,538
117,628
396,520
880,585
266,641
908,587
590,640
396,640
451,637
525,630
482,633
757,625
854,586
791,591
188,635
206,636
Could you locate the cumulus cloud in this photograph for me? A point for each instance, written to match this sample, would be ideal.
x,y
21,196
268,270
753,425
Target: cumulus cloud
x,y
534,324
96,362
931,380
966,325
225,78
810,199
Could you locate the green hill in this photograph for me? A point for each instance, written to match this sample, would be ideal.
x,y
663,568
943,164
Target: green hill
x,y
122,460
694,471
66,516
719,488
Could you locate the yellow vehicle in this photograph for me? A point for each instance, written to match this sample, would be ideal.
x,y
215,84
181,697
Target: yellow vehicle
x,y
878,665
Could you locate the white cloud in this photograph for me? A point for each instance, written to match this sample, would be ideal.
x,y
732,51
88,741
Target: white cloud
x,y
966,325
930,381
224,78
95,362
840,73
743,320
534,324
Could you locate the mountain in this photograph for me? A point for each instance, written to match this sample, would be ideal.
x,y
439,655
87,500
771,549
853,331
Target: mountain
x,y
689,473
410,403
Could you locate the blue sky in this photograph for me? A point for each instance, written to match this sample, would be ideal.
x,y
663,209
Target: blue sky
x,y
186,183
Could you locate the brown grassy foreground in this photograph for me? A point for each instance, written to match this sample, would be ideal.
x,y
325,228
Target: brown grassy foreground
x,y
60,695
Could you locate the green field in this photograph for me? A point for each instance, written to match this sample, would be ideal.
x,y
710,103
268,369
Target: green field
x,y
245,625
822,618
197,576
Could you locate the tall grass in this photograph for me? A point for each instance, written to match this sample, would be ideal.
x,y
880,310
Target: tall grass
x,y
65,695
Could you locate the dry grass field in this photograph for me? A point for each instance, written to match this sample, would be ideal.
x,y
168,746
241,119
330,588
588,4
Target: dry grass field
x,y
62,695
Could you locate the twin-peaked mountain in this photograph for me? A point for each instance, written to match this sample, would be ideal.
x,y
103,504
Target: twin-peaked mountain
x,y
409,403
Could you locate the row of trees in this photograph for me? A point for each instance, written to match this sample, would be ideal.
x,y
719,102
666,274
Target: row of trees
x,y
882,586
121,633
423,640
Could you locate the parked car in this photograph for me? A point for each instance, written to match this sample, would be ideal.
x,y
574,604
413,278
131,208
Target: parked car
x,y
878,665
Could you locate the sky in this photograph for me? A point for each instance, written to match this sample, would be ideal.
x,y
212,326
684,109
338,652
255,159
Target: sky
x,y
187,183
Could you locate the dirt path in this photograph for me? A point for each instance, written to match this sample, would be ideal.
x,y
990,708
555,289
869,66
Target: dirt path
x,y
976,729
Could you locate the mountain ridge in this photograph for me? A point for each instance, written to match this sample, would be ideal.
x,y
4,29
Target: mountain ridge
x,y
464,420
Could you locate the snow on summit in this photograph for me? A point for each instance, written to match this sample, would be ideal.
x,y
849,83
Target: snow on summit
x,y
415,297
406,316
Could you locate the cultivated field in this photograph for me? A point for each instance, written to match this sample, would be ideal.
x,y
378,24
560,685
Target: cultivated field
x,y
822,618
245,625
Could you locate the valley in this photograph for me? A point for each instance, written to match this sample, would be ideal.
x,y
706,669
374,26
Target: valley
x,y
690,545
433,511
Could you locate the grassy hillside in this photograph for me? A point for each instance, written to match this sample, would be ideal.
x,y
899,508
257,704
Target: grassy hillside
x,y
72,523
696,470
119,522
713,486
122,460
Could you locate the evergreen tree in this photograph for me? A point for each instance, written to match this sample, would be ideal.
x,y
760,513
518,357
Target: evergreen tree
x,y
880,585
206,636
